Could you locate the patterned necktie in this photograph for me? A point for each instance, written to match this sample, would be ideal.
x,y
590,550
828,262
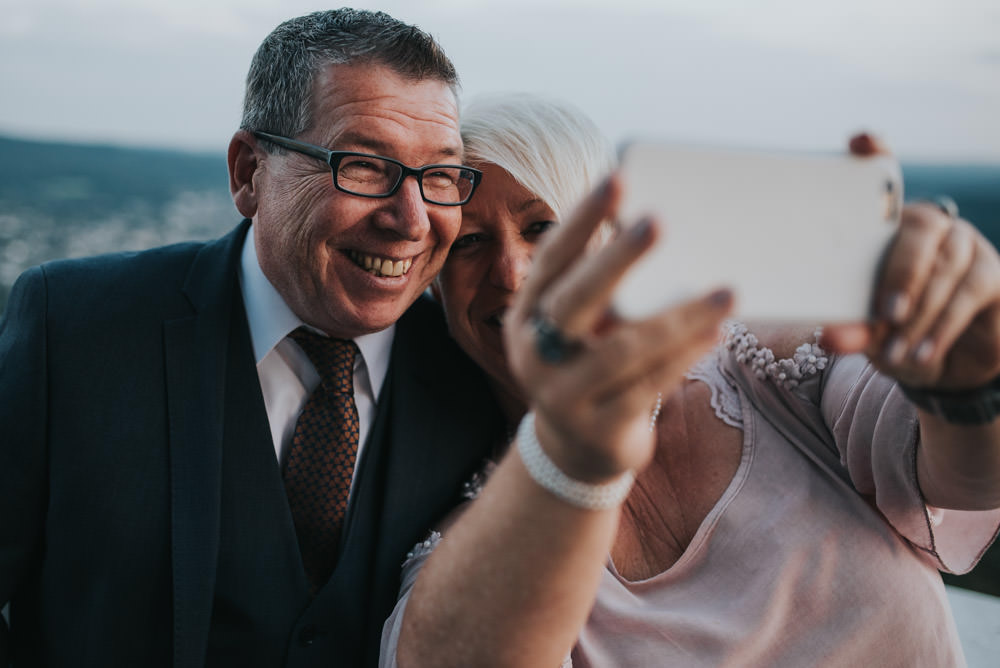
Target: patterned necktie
x,y
322,454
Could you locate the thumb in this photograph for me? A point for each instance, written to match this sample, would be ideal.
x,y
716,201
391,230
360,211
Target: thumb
x,y
846,338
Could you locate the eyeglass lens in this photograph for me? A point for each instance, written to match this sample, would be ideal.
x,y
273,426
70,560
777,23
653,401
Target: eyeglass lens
x,y
369,175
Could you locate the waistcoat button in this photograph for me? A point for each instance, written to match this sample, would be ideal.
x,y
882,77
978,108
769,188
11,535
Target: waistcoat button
x,y
308,634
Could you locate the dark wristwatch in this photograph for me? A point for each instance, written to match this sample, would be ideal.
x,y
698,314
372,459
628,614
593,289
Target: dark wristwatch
x,y
980,405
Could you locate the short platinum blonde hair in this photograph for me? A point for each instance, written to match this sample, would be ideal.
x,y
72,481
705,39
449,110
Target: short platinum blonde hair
x,y
551,148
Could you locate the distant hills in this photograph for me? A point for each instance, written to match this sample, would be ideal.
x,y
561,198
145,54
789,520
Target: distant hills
x,y
70,200
84,181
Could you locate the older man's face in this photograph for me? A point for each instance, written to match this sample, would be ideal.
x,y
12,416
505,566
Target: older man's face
x,y
314,241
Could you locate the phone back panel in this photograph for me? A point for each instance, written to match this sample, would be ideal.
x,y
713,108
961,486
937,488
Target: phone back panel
x,y
797,236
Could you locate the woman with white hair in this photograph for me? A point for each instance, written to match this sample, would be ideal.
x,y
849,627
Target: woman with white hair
x,y
671,499
539,159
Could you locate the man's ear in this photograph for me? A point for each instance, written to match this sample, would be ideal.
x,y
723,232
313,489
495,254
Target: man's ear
x,y
243,164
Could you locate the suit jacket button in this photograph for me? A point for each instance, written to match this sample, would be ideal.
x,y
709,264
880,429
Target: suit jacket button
x,y
308,635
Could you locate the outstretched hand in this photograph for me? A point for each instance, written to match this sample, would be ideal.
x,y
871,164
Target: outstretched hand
x,y
592,408
937,302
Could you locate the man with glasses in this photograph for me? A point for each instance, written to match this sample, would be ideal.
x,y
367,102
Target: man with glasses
x,y
218,454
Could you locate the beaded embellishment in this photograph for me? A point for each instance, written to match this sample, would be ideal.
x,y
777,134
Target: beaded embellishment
x,y
470,490
808,359
473,487
424,547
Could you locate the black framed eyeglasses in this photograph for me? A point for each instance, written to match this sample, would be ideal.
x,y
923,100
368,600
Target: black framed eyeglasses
x,y
369,175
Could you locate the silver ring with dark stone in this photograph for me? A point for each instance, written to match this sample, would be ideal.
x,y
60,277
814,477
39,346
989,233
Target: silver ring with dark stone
x,y
551,344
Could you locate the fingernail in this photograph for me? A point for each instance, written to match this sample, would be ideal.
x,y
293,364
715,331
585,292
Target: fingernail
x,y
640,232
896,306
925,351
721,298
861,142
895,352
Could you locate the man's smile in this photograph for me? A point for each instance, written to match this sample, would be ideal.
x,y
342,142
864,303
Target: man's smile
x,y
380,266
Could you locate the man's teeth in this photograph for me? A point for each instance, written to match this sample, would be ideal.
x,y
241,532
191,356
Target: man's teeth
x,y
378,266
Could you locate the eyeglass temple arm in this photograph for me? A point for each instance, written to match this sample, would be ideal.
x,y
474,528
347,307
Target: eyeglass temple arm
x,y
300,147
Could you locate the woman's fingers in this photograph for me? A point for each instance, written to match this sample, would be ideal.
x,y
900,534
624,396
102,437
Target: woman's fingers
x,y
590,385
942,296
931,347
565,244
940,275
653,351
681,335
580,298
910,262
596,407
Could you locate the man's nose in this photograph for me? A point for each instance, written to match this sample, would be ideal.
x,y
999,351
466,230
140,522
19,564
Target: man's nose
x,y
408,211
510,266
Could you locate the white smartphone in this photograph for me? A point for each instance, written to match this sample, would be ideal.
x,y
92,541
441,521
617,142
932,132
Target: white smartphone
x,y
798,237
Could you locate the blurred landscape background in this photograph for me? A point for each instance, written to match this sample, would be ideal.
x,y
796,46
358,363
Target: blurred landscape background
x,y
71,200
61,200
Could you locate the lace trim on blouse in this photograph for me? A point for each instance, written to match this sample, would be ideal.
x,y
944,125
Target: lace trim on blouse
x,y
808,360
725,400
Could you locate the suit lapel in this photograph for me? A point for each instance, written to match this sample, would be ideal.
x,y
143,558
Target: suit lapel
x,y
195,355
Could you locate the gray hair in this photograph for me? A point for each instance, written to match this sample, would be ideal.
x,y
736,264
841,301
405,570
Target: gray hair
x,y
549,147
279,85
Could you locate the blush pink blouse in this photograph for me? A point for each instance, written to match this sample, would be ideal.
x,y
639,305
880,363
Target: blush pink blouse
x,y
821,551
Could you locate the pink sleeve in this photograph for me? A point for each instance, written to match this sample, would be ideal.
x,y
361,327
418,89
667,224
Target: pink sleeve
x,y
877,434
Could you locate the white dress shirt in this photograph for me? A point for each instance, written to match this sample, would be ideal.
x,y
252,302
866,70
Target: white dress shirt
x,y
287,377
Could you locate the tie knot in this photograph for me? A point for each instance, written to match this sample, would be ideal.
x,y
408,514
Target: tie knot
x,y
333,359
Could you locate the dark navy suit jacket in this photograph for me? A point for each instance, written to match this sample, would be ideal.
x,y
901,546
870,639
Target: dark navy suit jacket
x,y
143,520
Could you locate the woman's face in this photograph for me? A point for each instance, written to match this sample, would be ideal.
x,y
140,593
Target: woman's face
x,y
491,256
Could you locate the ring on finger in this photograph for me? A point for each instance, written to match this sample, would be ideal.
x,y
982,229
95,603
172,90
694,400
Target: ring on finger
x,y
551,344
947,205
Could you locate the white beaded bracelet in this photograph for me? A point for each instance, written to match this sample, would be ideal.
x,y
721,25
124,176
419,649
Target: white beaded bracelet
x,y
545,472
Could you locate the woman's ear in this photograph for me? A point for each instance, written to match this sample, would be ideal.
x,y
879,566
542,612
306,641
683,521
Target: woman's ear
x,y
243,163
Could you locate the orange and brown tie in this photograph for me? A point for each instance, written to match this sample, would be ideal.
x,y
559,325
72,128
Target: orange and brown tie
x,y
322,454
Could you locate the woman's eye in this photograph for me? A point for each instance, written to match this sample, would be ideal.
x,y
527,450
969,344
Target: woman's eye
x,y
539,227
468,240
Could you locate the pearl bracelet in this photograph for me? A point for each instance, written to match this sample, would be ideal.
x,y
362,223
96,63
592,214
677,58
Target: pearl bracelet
x,y
545,472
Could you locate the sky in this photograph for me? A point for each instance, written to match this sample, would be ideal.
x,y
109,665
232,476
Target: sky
x,y
789,74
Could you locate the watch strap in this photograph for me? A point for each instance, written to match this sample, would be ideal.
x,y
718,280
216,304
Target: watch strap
x,y
979,405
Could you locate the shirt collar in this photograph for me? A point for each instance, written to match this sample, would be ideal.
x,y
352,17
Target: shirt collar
x,y
271,320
